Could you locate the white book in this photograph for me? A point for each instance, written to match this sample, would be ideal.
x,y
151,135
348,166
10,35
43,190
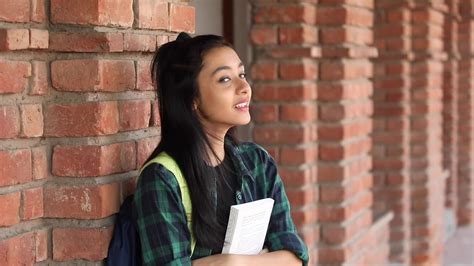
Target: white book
x,y
247,227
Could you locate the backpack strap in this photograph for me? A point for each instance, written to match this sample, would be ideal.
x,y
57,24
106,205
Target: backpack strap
x,y
169,163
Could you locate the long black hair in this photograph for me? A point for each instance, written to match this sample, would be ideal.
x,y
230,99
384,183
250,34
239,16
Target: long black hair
x,y
175,68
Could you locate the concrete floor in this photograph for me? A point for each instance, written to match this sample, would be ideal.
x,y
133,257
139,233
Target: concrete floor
x,y
459,249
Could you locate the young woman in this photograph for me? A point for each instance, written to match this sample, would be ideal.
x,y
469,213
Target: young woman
x,y
203,94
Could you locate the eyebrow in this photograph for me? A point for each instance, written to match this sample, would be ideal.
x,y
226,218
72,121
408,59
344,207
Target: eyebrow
x,y
224,68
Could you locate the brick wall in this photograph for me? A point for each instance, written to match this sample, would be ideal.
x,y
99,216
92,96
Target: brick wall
x,y
77,118
284,112
391,122
465,166
366,105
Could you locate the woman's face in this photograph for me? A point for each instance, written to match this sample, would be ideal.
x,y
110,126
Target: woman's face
x,y
224,94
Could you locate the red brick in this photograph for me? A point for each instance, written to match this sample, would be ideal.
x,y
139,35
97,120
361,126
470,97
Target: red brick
x,y
117,75
182,18
41,245
338,234
341,172
302,196
296,177
303,70
74,243
285,14
38,11
263,35
9,122
335,213
134,114
144,81
345,90
277,92
81,202
155,113
86,119
93,75
345,131
15,11
96,12
348,34
144,149
361,3
294,52
87,161
298,35
15,167
264,71
40,78
349,52
152,14
118,13
264,112
31,120
282,134
39,39
161,39
139,42
307,216
347,69
298,112
335,112
14,39
64,11
10,209
32,203
298,155
339,193
86,41
14,76
40,163
344,15
13,250
431,15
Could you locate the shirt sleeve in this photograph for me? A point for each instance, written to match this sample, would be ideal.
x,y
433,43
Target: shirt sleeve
x,y
282,234
161,219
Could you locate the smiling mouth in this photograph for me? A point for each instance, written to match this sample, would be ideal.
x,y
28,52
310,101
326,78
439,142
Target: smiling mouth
x,y
242,105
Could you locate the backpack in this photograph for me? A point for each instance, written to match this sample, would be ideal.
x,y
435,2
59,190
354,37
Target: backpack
x,y
125,248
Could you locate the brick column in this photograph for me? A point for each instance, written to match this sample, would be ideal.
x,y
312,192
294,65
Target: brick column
x,y
284,111
77,118
392,122
450,108
427,177
349,234
465,169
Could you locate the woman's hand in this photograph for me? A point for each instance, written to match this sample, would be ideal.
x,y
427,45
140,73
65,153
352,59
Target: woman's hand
x,y
282,257
218,260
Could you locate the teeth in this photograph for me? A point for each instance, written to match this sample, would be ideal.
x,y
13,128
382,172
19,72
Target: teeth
x,y
241,105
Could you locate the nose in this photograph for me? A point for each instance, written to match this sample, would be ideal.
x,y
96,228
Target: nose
x,y
244,87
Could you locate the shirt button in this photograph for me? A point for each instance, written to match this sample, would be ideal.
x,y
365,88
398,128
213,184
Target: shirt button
x,y
239,196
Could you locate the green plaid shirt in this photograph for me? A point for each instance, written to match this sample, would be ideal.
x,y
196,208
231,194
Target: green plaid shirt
x,y
164,235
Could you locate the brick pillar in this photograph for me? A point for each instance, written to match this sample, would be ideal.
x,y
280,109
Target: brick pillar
x,y
349,234
450,107
465,169
392,122
77,118
427,177
284,112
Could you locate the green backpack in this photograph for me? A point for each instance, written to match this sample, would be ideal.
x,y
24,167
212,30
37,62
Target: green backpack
x,y
169,163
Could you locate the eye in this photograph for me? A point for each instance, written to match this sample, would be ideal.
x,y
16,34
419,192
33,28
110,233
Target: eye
x,y
243,76
224,79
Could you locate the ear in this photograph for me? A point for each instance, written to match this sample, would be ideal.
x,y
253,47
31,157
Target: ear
x,y
196,103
